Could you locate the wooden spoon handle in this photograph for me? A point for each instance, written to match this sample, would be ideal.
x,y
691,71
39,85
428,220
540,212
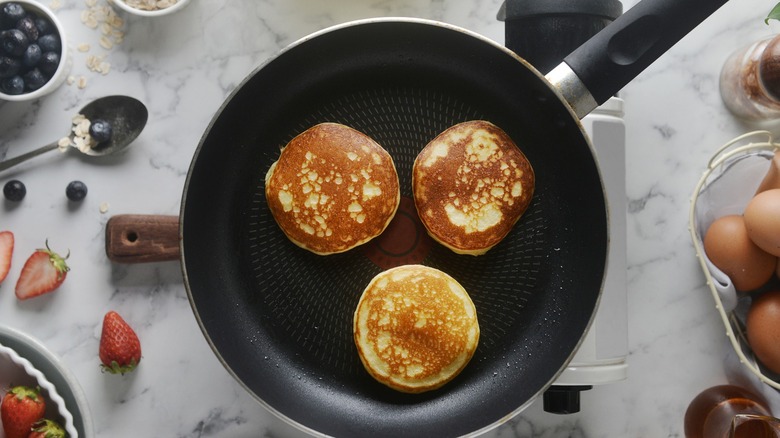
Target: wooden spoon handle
x,y
133,238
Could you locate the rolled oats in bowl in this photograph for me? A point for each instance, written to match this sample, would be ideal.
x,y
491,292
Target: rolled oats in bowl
x,y
150,8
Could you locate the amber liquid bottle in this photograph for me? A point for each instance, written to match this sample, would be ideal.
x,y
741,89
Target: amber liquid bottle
x,y
711,413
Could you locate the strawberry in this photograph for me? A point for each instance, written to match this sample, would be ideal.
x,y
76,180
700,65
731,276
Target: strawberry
x,y
6,251
43,272
120,349
21,407
46,429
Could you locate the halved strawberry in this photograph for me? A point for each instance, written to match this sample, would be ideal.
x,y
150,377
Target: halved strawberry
x,y
6,251
43,272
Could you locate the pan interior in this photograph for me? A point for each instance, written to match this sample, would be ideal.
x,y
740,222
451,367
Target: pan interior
x,y
280,318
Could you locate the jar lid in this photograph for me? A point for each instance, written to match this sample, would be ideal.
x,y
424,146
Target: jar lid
x,y
514,9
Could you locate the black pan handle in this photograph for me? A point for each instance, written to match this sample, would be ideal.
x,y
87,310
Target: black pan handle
x,y
618,53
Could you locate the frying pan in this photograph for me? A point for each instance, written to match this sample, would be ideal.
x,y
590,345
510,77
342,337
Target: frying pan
x,y
279,318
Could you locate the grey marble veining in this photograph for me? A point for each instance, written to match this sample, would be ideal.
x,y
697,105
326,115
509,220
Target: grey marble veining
x,y
185,65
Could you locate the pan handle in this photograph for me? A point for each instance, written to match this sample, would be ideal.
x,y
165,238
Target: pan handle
x,y
608,61
132,238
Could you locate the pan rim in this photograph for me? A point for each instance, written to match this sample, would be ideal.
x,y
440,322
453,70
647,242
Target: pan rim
x,y
354,23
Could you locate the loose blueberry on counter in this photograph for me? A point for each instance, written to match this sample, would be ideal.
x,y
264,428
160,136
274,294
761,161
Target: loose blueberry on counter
x,y
14,190
14,42
100,130
76,191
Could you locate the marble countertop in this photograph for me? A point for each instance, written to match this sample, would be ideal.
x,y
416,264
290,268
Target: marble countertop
x,y
183,66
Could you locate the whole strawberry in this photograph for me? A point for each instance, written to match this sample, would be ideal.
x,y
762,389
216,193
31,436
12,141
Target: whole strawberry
x,y
46,429
120,349
43,272
22,406
6,251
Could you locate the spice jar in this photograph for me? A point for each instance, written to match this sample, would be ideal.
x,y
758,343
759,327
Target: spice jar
x,y
750,81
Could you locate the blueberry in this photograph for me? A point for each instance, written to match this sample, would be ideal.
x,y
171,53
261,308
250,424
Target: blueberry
x,y
14,42
9,66
14,190
27,25
43,25
50,43
34,79
76,191
31,56
49,62
10,13
12,86
100,130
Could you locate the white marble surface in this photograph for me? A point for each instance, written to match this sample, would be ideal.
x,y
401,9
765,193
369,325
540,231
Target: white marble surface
x,y
183,66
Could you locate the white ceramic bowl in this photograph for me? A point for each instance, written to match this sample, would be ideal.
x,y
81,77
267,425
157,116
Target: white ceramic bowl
x,y
16,370
65,62
56,372
179,5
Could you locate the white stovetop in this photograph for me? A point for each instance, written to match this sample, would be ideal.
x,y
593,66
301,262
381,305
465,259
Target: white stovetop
x,y
183,67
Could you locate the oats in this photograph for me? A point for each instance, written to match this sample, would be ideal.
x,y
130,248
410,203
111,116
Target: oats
x,y
71,80
83,47
104,207
82,83
106,43
64,143
55,4
150,5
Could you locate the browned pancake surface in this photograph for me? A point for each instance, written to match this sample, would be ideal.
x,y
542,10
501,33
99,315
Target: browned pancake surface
x,y
333,188
471,184
415,328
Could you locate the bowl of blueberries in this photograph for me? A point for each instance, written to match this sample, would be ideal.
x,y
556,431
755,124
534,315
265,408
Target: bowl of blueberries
x,y
33,51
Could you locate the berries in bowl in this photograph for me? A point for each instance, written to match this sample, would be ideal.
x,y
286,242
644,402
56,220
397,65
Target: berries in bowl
x,y
33,51
150,8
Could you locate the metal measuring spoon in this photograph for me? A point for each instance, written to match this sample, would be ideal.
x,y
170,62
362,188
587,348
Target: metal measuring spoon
x,y
126,115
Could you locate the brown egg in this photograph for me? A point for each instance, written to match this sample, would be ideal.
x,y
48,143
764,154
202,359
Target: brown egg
x,y
772,178
763,329
762,219
730,249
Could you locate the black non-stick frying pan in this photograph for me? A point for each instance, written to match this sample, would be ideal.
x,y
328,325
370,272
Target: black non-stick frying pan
x,y
280,318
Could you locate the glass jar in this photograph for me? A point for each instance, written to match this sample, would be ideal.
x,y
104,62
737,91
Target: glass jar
x,y
728,411
750,81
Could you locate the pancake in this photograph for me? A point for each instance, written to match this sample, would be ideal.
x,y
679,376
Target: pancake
x,y
471,185
415,328
332,189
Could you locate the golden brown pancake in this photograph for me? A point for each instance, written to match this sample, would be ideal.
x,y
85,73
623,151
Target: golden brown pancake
x,y
415,328
471,185
332,189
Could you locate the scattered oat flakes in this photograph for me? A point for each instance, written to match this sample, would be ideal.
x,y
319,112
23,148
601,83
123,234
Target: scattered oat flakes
x,y
83,47
82,82
55,4
104,207
71,80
